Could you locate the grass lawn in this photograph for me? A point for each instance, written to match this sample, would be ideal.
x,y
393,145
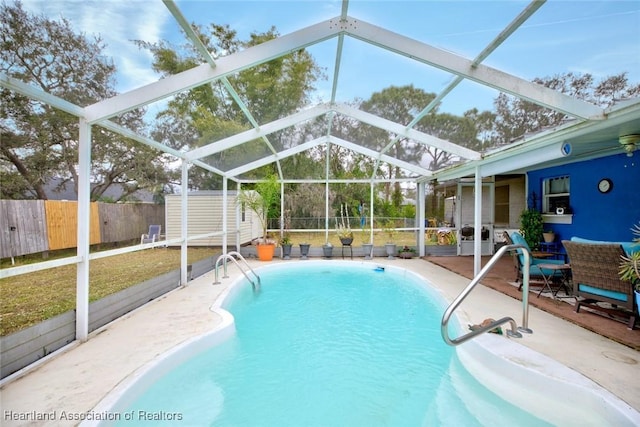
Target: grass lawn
x,y
31,298
379,238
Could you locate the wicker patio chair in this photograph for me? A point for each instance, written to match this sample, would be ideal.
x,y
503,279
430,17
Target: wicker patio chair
x,y
595,268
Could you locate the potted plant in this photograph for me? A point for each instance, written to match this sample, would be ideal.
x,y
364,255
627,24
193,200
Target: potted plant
x,y
531,226
260,201
285,244
390,246
549,236
304,250
630,267
367,248
406,252
327,249
343,228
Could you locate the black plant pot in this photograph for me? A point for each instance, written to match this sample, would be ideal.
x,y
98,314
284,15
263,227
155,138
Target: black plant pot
x,y
367,249
286,251
346,241
304,250
327,251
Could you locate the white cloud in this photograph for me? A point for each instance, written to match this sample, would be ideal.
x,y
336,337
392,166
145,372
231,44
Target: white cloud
x,y
117,22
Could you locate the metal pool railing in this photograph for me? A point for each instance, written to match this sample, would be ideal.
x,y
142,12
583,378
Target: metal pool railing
x,y
514,332
230,255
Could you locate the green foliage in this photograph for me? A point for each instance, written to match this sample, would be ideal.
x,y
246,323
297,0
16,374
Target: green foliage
x,y
40,142
264,195
630,265
516,117
285,240
209,113
531,226
389,228
408,211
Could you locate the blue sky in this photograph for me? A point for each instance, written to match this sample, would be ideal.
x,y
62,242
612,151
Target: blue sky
x,y
597,37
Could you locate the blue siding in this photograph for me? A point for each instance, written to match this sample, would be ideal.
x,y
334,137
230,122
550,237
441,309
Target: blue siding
x,y
597,216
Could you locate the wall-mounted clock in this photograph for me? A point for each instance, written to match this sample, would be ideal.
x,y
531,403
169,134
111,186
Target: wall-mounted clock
x,y
605,185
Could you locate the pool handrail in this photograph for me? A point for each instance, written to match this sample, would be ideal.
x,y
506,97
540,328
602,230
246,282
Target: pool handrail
x,y
230,255
514,332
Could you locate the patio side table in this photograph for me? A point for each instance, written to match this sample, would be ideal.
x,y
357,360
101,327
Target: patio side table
x,y
556,270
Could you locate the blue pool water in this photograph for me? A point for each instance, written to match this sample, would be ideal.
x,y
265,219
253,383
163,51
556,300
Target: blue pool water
x,y
328,345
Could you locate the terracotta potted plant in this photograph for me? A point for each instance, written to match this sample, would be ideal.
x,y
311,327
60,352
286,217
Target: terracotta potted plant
x,y
259,200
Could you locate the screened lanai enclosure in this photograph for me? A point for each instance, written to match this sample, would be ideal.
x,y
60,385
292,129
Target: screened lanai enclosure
x,y
352,102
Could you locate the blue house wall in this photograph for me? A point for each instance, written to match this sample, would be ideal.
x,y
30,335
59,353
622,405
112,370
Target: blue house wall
x,y
596,216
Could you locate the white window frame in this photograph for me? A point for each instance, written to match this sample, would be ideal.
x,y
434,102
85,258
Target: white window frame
x,y
562,189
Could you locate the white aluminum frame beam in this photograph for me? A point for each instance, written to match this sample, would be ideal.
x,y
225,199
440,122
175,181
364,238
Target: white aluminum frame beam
x,y
504,34
204,73
40,95
200,47
335,180
321,109
399,129
83,241
360,30
275,157
478,73
372,153
251,134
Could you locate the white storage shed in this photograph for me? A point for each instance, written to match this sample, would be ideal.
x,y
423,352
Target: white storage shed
x,y
204,213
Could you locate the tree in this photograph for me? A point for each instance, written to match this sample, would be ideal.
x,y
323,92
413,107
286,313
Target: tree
x,y
210,112
400,105
40,143
515,117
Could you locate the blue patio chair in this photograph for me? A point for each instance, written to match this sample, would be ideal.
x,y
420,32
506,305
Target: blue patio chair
x,y
535,272
152,236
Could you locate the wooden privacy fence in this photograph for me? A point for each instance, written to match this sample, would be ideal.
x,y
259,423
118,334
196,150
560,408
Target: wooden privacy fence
x,y
32,226
62,224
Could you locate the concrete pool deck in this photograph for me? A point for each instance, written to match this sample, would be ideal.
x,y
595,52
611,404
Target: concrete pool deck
x,y
74,380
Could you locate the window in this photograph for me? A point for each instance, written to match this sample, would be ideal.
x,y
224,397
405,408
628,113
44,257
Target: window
x,y
555,194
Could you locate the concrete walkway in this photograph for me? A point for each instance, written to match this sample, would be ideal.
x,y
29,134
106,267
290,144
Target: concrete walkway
x,y
72,382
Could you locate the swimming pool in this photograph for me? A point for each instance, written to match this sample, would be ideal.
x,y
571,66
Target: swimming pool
x,y
399,372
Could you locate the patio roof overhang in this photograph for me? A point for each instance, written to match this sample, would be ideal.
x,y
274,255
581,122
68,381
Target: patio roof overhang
x,y
571,142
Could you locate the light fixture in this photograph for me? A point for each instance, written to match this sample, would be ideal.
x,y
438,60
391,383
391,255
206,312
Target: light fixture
x,y
629,143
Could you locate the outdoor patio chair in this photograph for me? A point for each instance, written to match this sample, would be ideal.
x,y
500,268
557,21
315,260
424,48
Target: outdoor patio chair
x,y
152,236
535,272
596,279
